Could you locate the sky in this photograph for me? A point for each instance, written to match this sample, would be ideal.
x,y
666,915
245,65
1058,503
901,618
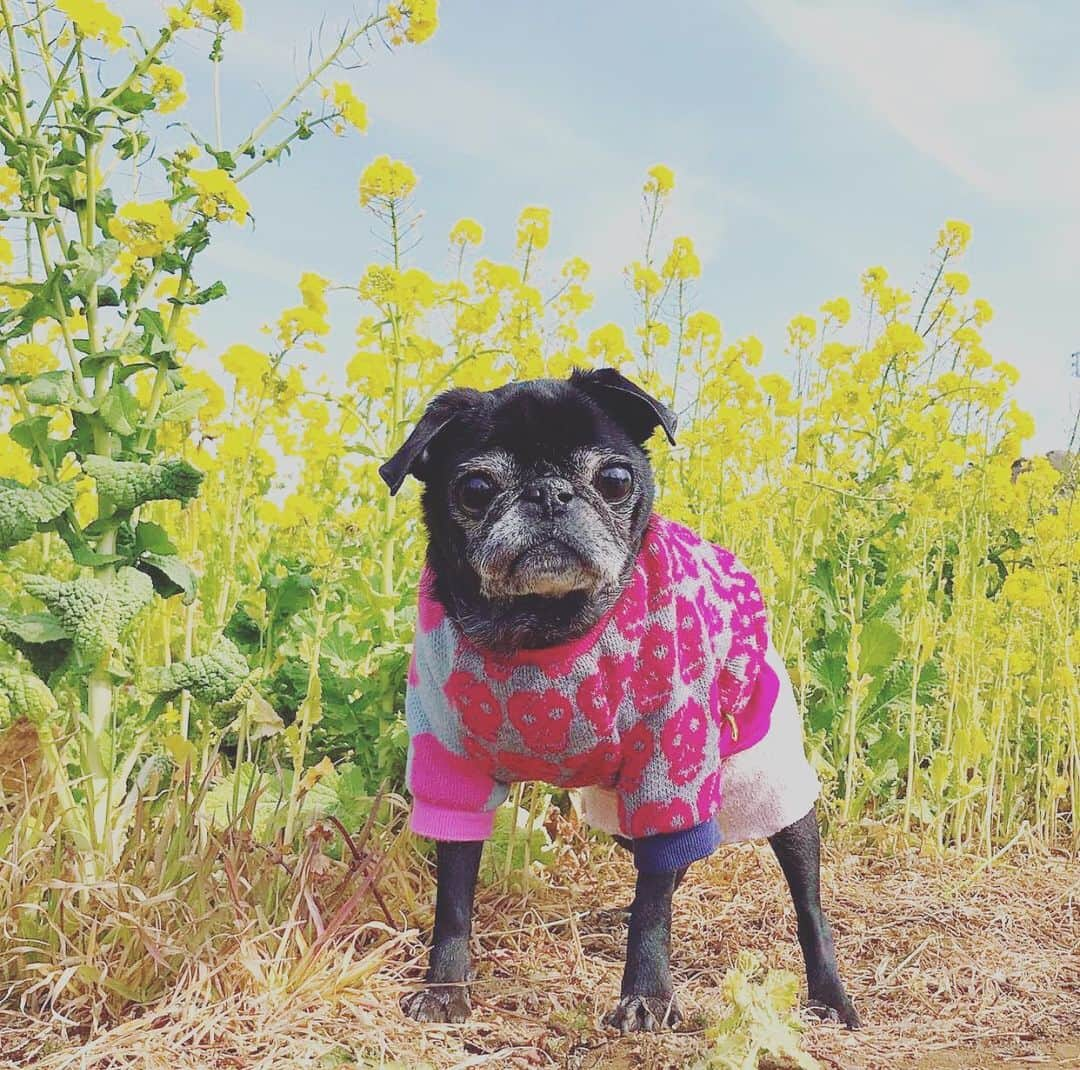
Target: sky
x,y
810,140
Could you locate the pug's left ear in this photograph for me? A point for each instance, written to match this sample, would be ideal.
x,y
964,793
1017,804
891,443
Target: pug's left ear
x,y
626,403
411,458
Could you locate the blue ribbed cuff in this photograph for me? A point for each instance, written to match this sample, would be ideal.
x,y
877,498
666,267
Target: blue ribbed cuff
x,y
668,851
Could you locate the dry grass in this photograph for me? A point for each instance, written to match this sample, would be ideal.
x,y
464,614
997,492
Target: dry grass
x,y
950,965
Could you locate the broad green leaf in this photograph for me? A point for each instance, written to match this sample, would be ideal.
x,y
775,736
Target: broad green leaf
x,y
170,575
152,538
879,643
89,265
181,405
120,411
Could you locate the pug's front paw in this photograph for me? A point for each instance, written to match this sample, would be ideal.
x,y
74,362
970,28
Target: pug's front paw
x,y
438,1003
643,1014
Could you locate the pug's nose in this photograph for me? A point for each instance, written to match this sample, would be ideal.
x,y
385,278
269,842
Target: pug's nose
x,y
551,496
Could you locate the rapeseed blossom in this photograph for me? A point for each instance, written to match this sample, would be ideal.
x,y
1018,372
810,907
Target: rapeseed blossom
x,y
346,103
218,197
145,227
94,18
385,179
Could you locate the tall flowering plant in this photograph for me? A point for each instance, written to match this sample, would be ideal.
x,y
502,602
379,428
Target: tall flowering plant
x,y
96,312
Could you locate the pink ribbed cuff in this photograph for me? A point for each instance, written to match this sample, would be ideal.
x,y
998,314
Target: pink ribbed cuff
x,y
457,826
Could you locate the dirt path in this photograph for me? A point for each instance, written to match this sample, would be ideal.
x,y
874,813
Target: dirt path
x,y
950,967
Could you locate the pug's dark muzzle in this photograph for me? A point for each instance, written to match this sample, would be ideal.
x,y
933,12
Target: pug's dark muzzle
x,y
552,567
549,542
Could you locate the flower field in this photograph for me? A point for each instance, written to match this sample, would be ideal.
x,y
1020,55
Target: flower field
x,y
207,597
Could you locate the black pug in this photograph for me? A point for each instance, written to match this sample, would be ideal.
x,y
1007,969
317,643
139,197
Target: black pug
x,y
568,634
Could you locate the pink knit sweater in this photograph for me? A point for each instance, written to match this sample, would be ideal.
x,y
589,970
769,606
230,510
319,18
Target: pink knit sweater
x,y
650,702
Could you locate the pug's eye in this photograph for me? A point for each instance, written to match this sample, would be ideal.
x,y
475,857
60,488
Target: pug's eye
x,y
614,482
475,493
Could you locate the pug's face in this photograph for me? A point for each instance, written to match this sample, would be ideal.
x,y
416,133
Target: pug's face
x,y
536,498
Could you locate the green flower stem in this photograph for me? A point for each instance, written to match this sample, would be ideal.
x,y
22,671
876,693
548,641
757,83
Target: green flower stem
x,y
40,224
310,712
345,42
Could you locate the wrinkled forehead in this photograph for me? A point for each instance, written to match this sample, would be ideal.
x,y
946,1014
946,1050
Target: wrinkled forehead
x,y
544,421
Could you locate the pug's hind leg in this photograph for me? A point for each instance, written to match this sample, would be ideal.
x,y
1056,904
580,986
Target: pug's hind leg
x,y
446,996
798,850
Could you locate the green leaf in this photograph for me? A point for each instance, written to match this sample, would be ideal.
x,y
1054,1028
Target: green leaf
x,y
35,628
40,639
170,575
131,143
151,322
88,558
134,101
152,538
26,432
88,265
120,411
181,405
58,388
202,297
125,372
51,388
222,157
879,643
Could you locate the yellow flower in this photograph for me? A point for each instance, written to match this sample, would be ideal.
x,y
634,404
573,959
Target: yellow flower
x,y
179,18
144,228
661,180
348,105
248,366
7,252
983,312
682,262
94,18
10,184
801,331
838,310
466,232
645,281
953,238
167,85
1022,422
607,345
534,228
834,354
776,386
873,280
218,197
576,268
705,329
223,12
957,281
386,180
1025,588
413,20
31,358
313,292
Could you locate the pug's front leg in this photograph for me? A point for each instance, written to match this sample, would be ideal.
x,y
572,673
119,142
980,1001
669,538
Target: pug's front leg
x,y
647,1000
446,997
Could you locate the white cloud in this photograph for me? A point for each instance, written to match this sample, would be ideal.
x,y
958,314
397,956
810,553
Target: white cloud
x,y
949,81
948,84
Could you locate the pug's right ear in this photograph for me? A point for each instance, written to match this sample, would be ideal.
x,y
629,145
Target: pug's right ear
x,y
415,451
